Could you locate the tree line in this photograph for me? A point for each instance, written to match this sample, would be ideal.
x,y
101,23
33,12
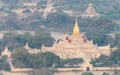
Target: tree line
x,y
113,60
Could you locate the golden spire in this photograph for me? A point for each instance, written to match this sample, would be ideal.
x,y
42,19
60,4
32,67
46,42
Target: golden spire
x,y
76,30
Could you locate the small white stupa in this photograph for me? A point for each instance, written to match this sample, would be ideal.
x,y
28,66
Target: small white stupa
x,y
27,47
90,12
6,52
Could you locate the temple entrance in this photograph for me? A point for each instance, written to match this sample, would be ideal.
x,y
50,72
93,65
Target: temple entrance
x,y
87,68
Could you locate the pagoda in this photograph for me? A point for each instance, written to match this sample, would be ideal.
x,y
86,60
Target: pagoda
x,y
26,46
90,12
6,52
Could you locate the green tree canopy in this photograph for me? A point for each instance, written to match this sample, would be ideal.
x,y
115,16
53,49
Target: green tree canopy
x,y
20,56
74,61
40,60
4,65
115,56
106,73
46,59
87,73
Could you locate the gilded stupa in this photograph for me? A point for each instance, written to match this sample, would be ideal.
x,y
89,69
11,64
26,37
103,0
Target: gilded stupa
x,y
76,45
76,30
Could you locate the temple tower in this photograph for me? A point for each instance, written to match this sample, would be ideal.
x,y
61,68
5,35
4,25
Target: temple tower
x,y
6,52
90,12
76,30
26,46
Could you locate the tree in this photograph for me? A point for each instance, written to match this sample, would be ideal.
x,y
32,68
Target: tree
x,y
20,56
50,59
111,60
87,73
106,73
102,61
38,41
117,40
102,39
43,71
74,61
116,72
46,59
11,3
10,38
24,38
115,56
4,65
26,11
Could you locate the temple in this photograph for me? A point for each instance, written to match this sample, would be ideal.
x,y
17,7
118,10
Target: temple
x,y
90,12
76,45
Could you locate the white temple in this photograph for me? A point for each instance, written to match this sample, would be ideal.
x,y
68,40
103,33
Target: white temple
x,y
76,46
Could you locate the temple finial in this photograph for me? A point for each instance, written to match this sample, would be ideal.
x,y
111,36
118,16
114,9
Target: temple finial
x,y
76,30
90,5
